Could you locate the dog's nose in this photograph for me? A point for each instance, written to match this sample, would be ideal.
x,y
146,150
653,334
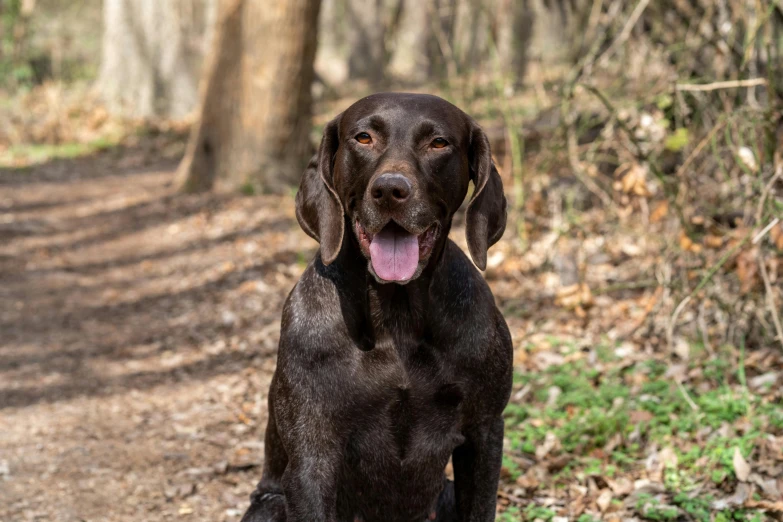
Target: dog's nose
x,y
391,189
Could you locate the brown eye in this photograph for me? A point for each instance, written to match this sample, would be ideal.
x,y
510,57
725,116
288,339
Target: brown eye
x,y
439,143
364,138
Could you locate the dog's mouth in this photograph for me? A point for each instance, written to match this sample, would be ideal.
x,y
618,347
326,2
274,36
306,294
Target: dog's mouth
x,y
394,252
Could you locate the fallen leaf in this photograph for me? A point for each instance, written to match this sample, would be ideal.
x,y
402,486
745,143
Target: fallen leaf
x,y
687,244
632,179
668,457
573,296
638,416
545,359
621,487
765,504
747,270
768,486
604,500
748,159
741,466
711,241
660,211
739,497
776,236
551,442
766,380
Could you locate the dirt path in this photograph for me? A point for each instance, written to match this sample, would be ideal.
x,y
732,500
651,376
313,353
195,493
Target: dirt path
x,y
137,337
138,333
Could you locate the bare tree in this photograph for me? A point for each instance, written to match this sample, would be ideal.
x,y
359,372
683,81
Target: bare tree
x,y
255,117
152,55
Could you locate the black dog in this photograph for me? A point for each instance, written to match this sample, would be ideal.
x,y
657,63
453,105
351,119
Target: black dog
x,y
393,356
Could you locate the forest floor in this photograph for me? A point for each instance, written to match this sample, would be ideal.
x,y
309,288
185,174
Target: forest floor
x,y
138,333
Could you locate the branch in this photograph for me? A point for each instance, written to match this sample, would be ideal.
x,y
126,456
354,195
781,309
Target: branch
x,y
730,84
626,32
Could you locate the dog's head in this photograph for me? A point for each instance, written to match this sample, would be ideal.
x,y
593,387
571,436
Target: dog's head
x,y
398,166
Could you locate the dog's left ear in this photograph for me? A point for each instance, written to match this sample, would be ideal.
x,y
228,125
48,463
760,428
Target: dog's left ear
x,y
318,207
486,215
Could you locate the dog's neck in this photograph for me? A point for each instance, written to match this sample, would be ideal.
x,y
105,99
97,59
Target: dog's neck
x,y
386,310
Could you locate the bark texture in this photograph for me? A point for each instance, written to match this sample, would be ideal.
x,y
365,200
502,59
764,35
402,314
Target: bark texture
x,y
255,117
152,55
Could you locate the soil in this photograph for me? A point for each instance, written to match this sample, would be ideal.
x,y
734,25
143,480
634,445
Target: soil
x,y
138,336
139,330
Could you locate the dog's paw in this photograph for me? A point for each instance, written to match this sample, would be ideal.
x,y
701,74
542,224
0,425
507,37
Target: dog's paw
x,y
266,507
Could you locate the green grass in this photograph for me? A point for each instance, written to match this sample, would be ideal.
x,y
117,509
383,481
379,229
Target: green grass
x,y
39,153
645,407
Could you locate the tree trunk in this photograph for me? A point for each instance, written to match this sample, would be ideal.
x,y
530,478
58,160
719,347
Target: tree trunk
x,y
254,130
152,55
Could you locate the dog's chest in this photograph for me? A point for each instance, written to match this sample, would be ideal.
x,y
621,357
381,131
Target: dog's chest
x,y
414,400
406,429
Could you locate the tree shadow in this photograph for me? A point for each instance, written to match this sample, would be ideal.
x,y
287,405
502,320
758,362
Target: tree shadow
x,y
88,384
57,339
150,320
277,224
120,161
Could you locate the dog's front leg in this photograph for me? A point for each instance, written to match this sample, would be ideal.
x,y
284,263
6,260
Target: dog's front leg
x,y
310,479
477,470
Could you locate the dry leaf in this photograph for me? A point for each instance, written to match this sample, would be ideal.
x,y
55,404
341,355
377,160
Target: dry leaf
x,y
765,504
747,270
660,211
632,179
621,487
551,442
711,241
604,500
776,236
687,244
668,457
573,296
638,416
739,497
767,485
741,466
748,159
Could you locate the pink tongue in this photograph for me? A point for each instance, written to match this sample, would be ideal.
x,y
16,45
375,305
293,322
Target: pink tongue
x,y
394,253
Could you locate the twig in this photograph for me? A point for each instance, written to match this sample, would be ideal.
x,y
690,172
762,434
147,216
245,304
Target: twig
x,y
576,167
688,399
703,282
626,32
673,321
705,335
770,297
606,103
671,192
730,84
766,229
445,47
699,147
630,285
765,193
721,262
762,261
651,304
513,498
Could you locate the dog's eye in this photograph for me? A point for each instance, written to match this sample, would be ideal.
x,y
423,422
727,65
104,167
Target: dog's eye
x,y
364,138
439,143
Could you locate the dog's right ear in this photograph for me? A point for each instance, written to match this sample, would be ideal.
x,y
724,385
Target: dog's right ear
x,y
318,207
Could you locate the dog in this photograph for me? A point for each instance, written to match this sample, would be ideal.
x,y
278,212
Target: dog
x,y
393,357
